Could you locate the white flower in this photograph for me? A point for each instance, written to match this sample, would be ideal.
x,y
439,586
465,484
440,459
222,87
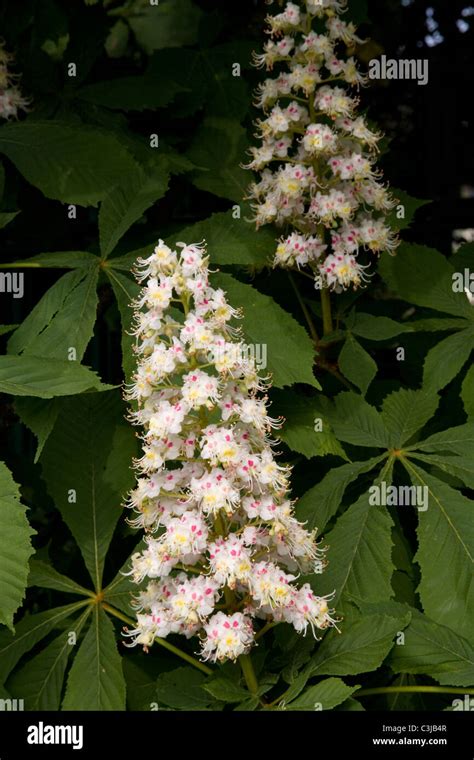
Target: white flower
x,y
210,495
316,154
228,636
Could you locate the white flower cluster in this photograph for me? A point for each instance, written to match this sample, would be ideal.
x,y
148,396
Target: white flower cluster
x,y
316,155
223,548
11,99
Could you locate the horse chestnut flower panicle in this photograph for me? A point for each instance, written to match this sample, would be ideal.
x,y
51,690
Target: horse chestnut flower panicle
x,y
223,547
11,99
316,155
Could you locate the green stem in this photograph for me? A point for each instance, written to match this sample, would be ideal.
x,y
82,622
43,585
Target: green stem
x,y
162,642
267,627
412,690
304,308
326,307
249,673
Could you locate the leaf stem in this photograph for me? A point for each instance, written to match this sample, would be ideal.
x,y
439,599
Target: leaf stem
x,y
162,642
246,664
305,309
412,690
326,307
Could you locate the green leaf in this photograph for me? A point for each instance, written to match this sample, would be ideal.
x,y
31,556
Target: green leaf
x,y
6,218
423,276
96,679
325,695
458,440
39,415
467,392
404,412
125,291
15,547
86,464
218,149
67,162
356,364
300,430
377,328
445,531
5,329
410,206
182,689
206,73
446,360
131,93
361,648
462,467
359,555
355,421
436,651
269,326
45,576
126,203
56,260
232,240
28,632
172,23
63,319
225,690
32,376
321,502
40,681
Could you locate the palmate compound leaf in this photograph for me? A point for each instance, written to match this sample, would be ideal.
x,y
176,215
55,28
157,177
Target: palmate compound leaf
x,y
405,412
15,547
86,466
270,329
96,681
28,632
435,650
67,162
40,681
445,553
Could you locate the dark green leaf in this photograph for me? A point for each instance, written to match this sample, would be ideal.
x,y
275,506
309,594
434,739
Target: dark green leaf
x,y
15,547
